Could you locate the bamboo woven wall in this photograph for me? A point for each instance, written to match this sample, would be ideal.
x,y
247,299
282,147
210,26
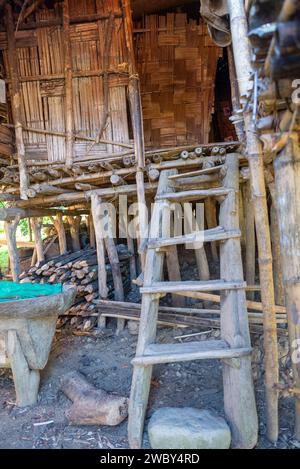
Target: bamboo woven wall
x,y
177,61
41,59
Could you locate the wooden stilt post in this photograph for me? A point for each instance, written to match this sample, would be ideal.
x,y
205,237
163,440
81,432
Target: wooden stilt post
x,y
115,267
275,241
74,223
16,100
10,228
68,84
287,181
241,49
102,275
132,263
59,226
36,229
34,257
250,238
137,125
91,231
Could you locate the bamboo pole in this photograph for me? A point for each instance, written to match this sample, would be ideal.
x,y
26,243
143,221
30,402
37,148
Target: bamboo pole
x,y
137,125
250,238
68,84
241,49
10,228
16,100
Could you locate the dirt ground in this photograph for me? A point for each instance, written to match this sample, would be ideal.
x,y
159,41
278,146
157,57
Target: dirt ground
x,y
105,361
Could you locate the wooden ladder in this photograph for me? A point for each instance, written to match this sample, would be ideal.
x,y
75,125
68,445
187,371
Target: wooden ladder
x,y
234,348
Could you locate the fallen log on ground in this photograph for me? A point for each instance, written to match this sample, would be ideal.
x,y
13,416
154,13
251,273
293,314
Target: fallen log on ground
x,y
92,406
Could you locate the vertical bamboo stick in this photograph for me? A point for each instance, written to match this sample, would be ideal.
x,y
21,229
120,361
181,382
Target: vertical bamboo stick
x,y
250,238
68,85
241,49
10,228
137,124
16,100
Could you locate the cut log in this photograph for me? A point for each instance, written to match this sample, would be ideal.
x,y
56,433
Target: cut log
x,y
92,406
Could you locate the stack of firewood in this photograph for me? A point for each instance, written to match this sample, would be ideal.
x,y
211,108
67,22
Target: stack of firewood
x,y
81,270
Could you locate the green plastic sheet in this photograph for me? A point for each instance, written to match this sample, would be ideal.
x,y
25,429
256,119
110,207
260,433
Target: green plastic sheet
x,y
12,291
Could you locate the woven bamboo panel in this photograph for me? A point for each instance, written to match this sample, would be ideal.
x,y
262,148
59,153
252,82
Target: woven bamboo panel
x,y
177,63
41,55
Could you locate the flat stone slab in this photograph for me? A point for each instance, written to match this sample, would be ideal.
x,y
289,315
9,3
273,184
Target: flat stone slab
x,y
188,428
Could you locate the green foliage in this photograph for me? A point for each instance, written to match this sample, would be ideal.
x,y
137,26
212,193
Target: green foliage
x,y
24,226
3,258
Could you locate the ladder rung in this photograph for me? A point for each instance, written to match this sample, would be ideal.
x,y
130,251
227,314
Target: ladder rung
x,y
188,351
192,286
194,194
215,234
198,172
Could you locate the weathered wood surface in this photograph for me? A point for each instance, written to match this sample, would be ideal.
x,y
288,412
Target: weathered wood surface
x,y
287,177
242,59
237,382
92,406
147,332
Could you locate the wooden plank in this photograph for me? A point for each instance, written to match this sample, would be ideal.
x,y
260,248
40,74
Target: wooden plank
x,y
192,286
194,194
188,351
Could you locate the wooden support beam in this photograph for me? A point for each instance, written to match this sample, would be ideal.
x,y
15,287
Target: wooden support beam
x,y
98,226
68,84
73,197
74,223
115,265
36,228
16,100
287,181
137,124
59,226
91,229
10,228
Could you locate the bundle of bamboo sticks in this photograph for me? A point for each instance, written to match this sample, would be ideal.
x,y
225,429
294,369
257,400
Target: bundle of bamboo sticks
x,y
81,270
